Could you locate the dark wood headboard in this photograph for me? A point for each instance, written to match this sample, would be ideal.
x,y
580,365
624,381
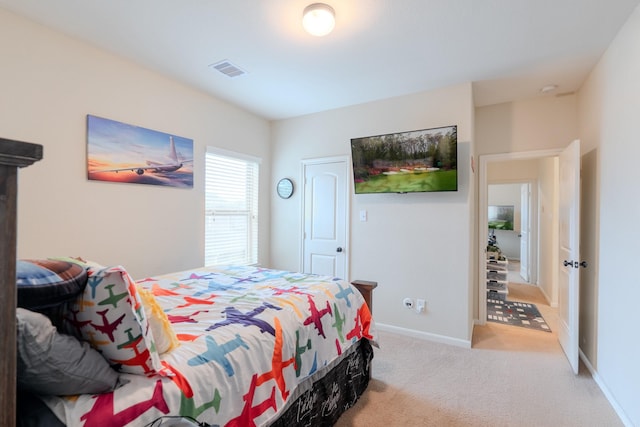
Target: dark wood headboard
x,y
13,155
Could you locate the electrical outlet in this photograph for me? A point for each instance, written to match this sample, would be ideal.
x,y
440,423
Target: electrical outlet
x,y
408,302
420,305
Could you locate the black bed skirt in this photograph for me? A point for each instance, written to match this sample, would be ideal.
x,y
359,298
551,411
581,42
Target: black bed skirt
x,y
332,393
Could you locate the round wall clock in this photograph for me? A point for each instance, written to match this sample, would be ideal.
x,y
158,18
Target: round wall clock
x,y
285,188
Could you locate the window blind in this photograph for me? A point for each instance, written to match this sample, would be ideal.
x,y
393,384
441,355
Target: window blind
x,y
231,208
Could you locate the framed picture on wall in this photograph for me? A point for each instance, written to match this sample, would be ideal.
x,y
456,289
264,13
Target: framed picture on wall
x,y
501,217
119,152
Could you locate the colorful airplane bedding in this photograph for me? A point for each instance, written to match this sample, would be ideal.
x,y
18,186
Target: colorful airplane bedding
x,y
254,347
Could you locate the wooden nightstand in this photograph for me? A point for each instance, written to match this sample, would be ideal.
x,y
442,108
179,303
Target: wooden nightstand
x,y
366,289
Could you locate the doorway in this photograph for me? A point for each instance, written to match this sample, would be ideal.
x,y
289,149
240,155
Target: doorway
x,y
513,224
559,235
539,170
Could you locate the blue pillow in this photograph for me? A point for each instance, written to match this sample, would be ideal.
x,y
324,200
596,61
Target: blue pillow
x,y
48,283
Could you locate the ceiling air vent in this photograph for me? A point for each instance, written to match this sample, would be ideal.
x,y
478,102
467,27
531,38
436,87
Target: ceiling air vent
x,y
228,69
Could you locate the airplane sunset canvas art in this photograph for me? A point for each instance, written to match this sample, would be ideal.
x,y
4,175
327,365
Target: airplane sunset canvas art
x,y
119,152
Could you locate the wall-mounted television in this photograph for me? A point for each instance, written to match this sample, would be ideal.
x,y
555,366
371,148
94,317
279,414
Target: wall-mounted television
x,y
406,162
501,217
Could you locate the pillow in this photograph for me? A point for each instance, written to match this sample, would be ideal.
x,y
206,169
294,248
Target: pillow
x,y
48,283
86,264
163,334
53,363
110,316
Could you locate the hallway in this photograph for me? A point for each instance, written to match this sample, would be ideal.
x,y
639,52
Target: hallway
x,y
498,336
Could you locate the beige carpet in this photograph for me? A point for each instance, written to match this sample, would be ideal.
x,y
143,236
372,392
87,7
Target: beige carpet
x,y
511,376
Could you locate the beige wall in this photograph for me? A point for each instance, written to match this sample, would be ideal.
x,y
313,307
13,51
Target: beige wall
x,y
49,83
548,205
541,123
413,245
590,104
589,242
608,106
505,171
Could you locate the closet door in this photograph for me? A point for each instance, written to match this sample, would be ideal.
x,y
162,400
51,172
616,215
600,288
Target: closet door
x,y
326,213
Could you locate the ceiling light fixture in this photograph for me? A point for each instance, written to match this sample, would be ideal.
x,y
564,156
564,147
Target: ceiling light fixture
x,y
548,88
318,19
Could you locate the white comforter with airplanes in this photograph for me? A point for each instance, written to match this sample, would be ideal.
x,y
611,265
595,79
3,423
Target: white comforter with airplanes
x,y
248,337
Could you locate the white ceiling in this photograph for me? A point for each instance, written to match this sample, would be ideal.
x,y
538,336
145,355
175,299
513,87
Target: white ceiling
x,y
379,48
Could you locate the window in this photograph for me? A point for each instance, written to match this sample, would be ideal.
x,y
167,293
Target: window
x,y
231,208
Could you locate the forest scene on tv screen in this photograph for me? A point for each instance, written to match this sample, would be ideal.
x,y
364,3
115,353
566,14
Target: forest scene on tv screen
x,y
501,217
406,162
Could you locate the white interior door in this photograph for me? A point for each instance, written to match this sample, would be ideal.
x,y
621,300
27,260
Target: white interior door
x,y
325,217
525,229
569,255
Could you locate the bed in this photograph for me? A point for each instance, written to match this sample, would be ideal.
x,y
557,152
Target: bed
x,y
13,155
226,346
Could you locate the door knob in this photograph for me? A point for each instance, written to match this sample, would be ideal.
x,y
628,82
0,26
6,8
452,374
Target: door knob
x,y
583,264
567,263
339,249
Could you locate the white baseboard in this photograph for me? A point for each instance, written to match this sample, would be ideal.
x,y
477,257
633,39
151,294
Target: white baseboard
x,y
424,335
605,390
552,304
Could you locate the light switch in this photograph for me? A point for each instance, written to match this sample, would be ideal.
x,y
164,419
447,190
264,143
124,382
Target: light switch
x,y
363,215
